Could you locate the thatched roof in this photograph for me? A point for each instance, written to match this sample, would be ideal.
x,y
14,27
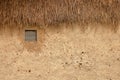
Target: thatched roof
x,y
40,12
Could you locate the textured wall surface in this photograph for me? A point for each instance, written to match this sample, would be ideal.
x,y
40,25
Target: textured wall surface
x,y
65,53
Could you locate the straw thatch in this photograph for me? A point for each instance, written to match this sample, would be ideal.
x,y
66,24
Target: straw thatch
x,y
51,12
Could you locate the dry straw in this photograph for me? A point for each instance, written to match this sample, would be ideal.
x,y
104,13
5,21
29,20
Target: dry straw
x,y
52,12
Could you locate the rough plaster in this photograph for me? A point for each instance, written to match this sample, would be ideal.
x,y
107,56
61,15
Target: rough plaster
x,y
64,53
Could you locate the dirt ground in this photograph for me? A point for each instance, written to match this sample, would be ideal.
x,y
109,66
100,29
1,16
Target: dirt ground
x,y
67,53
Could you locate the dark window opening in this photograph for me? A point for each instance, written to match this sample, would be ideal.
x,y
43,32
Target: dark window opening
x,y
30,35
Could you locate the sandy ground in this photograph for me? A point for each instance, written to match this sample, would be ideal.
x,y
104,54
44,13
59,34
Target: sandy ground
x,y
66,54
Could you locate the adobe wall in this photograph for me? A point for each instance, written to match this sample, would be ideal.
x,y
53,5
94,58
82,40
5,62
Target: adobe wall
x,y
61,53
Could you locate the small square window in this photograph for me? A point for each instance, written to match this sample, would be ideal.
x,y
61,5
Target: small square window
x,y
30,35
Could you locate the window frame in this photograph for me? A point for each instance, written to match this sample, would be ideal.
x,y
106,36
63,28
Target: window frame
x,y
35,35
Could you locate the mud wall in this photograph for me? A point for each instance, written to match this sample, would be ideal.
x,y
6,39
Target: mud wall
x,y
61,53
